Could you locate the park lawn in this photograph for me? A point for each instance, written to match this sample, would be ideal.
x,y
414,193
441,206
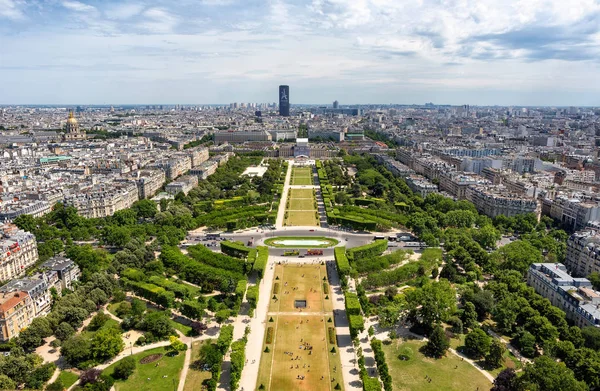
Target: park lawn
x,y
302,204
138,381
302,181
301,193
310,288
277,370
297,218
185,330
448,373
509,361
112,308
195,377
302,171
68,378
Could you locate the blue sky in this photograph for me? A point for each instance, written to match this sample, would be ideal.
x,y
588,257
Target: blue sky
x,y
526,52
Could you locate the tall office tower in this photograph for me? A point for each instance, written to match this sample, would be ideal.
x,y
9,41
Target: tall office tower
x,y
284,101
336,104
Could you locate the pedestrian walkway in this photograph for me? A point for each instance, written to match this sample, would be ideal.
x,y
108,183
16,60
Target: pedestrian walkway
x,y
283,199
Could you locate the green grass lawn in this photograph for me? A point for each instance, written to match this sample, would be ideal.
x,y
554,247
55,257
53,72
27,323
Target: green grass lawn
x,y
165,376
186,330
296,218
195,377
302,204
301,193
448,373
112,308
68,378
301,181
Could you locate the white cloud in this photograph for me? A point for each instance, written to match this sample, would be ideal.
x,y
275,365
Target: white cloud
x,y
123,11
10,10
158,21
78,6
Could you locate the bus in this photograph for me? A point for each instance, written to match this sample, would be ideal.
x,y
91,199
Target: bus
x,y
314,252
289,253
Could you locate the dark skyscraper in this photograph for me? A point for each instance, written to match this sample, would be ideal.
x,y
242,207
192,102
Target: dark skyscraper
x,y
336,104
284,101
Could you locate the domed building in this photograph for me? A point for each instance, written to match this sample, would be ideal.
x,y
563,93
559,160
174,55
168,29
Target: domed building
x,y
72,128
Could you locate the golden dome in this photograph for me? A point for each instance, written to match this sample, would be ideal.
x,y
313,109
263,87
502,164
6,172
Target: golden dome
x,y
71,120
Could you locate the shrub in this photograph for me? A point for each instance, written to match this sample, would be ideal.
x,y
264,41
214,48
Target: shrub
x,y
356,324
252,295
352,303
124,368
341,261
325,287
269,335
225,338
262,257
370,250
276,288
331,334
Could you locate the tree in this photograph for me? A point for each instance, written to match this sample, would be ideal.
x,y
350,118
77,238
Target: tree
x,y
176,344
505,381
469,315
484,303
76,350
591,336
438,343
98,321
159,324
477,343
89,376
40,375
595,280
222,315
138,307
547,374
517,255
124,368
6,383
26,223
431,304
526,342
106,343
494,357
64,331
98,296
487,236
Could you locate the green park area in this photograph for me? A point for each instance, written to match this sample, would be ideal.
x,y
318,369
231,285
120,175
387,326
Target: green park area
x,y
301,242
410,369
198,372
155,370
302,176
300,352
301,208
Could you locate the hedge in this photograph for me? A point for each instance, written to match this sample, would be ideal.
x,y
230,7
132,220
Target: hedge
x,y
356,324
370,383
252,295
240,288
150,292
341,261
208,277
325,288
237,359
370,250
235,249
134,274
225,338
331,334
192,309
180,291
204,255
382,366
262,257
269,335
352,303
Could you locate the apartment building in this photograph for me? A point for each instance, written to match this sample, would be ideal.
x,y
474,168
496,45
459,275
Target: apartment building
x,y
575,296
493,201
575,213
149,182
102,200
67,271
205,169
16,313
420,185
36,288
182,185
174,166
18,251
198,155
583,252
456,183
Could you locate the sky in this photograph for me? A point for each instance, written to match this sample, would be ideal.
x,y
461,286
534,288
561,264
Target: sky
x,y
478,52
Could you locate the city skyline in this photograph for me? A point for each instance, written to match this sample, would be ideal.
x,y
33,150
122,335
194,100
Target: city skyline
x,y
542,53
